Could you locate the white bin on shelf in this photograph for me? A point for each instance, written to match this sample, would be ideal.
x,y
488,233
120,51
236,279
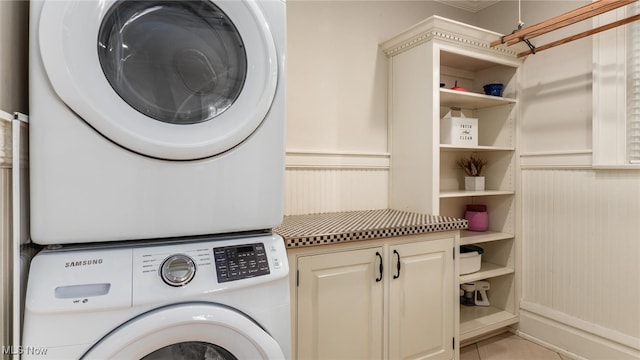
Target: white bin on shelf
x,y
458,130
470,259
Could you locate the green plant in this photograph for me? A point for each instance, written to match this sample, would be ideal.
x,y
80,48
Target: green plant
x,y
472,165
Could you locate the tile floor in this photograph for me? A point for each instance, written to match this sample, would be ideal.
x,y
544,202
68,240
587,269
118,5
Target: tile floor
x,y
508,346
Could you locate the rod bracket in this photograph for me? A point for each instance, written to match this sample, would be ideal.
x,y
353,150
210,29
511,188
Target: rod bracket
x,y
529,44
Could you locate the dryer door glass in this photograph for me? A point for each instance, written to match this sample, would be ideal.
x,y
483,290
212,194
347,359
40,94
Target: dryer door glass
x,y
190,350
179,62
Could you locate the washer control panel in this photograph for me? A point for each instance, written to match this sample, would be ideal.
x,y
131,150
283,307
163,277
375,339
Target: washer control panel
x,y
191,269
118,276
238,262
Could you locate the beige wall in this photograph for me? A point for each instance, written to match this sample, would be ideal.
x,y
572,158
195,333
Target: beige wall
x,y
13,55
556,83
337,75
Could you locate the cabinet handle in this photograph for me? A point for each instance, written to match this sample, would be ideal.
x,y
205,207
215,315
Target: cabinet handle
x,y
397,265
380,256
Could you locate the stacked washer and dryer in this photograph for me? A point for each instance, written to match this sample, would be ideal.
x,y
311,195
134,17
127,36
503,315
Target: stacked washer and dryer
x,y
156,164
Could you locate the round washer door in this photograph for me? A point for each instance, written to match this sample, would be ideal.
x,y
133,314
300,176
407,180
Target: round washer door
x,y
188,329
176,80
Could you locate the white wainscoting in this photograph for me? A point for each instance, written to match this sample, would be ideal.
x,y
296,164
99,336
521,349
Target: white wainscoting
x,y
6,264
581,260
13,225
321,182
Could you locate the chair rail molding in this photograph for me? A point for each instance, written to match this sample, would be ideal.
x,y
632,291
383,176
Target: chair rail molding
x,y
566,159
309,159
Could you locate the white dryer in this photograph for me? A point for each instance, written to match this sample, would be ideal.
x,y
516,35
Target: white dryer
x,y
191,299
155,118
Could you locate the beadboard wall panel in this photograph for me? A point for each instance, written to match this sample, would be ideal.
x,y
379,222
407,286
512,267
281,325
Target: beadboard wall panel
x,y
581,250
321,182
321,190
6,264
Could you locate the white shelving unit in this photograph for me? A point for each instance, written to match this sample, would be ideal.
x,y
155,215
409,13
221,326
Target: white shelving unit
x,y
424,174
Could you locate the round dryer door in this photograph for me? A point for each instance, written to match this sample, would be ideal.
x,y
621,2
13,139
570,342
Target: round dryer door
x,y
190,331
176,80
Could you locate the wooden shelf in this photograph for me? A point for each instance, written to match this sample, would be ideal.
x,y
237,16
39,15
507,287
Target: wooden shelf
x,y
470,100
478,320
452,148
487,270
474,237
464,193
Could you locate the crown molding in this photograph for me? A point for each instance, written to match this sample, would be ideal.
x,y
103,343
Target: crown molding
x,y
469,5
452,32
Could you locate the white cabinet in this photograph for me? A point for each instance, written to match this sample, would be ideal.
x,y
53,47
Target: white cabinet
x,y
424,175
340,305
386,299
420,300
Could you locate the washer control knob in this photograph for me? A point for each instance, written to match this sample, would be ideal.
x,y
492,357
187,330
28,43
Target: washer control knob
x,y
178,270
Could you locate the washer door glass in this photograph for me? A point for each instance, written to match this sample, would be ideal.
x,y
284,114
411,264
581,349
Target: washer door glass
x,y
175,80
190,350
181,62
191,329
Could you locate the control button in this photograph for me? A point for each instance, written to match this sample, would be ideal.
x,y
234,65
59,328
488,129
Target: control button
x,y
178,270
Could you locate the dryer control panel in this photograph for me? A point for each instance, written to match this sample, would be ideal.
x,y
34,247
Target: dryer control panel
x,y
240,261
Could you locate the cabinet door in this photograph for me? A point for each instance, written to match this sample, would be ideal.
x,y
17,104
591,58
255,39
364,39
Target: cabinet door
x,y
421,300
340,305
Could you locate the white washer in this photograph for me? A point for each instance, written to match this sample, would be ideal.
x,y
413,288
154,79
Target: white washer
x,y
229,297
152,119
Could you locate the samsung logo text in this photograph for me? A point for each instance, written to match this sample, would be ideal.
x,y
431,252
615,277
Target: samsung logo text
x,y
88,262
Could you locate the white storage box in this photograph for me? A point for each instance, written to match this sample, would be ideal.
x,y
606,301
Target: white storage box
x,y
470,259
458,130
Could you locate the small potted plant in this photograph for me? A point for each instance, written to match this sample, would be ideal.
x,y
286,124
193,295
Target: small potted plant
x,y
473,168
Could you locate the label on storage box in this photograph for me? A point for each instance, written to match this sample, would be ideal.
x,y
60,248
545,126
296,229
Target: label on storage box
x,y
459,130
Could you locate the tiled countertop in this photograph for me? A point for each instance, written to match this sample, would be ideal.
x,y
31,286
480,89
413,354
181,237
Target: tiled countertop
x,y
329,228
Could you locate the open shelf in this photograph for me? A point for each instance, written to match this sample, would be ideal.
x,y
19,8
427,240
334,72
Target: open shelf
x,y
471,100
487,270
448,147
465,193
477,320
474,237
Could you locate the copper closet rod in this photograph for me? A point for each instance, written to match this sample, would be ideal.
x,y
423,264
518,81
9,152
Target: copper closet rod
x,y
582,13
